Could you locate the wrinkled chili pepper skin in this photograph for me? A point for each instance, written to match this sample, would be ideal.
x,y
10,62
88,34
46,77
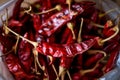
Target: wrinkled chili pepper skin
x,y
112,60
68,50
25,52
16,69
56,22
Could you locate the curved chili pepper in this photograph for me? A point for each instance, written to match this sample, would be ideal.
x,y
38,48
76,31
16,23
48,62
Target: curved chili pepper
x,y
68,50
25,52
15,68
57,21
112,59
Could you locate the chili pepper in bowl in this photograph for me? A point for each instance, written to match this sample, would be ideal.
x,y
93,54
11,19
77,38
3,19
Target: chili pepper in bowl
x,y
25,52
16,69
112,60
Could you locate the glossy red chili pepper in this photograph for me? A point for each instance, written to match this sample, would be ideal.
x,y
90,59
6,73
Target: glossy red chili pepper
x,y
25,52
15,68
16,10
112,59
57,21
68,50
91,62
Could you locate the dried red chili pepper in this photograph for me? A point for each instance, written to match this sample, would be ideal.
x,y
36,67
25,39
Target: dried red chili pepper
x,y
68,50
25,52
15,68
112,59
57,21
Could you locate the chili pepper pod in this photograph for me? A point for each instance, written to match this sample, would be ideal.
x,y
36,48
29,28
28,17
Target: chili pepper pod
x,y
25,52
112,59
68,50
56,21
100,41
15,68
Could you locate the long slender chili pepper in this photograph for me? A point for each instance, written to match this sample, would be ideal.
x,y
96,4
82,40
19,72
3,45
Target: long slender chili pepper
x,y
68,50
112,60
56,22
25,52
16,69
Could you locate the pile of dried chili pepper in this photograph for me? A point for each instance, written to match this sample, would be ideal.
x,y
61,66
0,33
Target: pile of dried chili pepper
x,y
59,40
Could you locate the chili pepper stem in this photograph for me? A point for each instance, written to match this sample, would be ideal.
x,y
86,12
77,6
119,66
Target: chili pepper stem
x,y
116,29
82,72
16,44
69,75
57,7
79,39
55,72
61,70
70,26
95,52
69,4
109,11
37,61
97,25
35,44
